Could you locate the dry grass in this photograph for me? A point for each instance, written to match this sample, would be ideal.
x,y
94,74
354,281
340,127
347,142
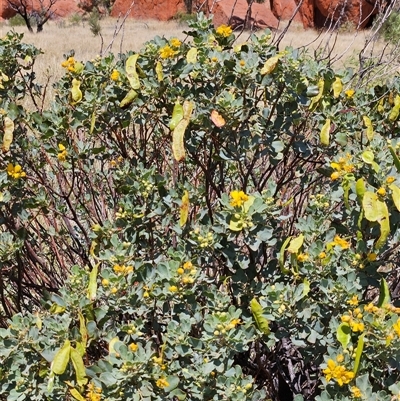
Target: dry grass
x,y
59,37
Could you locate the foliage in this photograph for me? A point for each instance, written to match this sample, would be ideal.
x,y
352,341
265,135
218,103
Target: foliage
x,y
17,20
227,216
390,28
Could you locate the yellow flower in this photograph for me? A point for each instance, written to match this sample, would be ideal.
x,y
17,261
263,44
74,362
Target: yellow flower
x,y
381,191
349,93
372,257
224,30
238,198
114,290
343,376
353,301
105,282
322,255
345,318
133,347
357,326
162,382
390,179
93,393
173,288
340,358
329,372
302,257
356,392
396,327
242,63
167,52
114,75
175,42
16,171
180,271
341,242
187,265
62,154
335,175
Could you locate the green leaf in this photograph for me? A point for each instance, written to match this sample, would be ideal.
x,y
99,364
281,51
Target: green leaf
x,y
325,133
370,129
383,220
395,158
360,189
173,383
296,244
131,73
177,116
343,334
367,157
384,294
129,98
79,367
61,359
370,206
395,195
261,321
236,224
306,287
248,203
359,351
282,256
76,394
92,288
82,329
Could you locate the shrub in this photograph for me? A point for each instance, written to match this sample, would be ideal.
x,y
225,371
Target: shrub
x,y
391,29
17,20
227,216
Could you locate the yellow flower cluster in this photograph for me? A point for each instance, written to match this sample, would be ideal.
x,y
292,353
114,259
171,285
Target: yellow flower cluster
x,y
93,393
186,272
69,64
338,373
223,328
238,198
162,382
133,347
302,257
62,153
122,269
356,392
15,171
175,42
341,167
114,75
349,93
396,327
341,242
167,52
205,240
224,31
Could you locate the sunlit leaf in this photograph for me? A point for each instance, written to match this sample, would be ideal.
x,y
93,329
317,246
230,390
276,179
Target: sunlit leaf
x,y
337,87
178,135
129,98
184,209
325,131
177,116
295,244
92,288
61,359
315,100
261,321
384,294
191,56
76,394
131,73
343,334
370,206
159,71
395,195
76,93
270,65
79,367
370,129
359,351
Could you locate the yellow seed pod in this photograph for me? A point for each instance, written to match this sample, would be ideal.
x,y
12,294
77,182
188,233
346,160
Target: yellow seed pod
x,y
76,93
337,87
8,134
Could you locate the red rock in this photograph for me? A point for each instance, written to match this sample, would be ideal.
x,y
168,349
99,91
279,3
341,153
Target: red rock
x,y
145,9
284,10
5,11
261,14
